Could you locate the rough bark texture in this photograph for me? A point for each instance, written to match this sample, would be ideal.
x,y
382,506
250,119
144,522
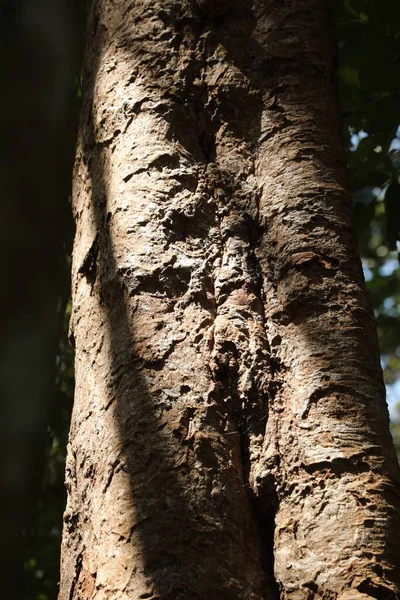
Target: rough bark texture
x,y
230,434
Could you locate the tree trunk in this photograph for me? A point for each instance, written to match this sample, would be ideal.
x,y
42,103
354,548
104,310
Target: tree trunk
x,y
230,434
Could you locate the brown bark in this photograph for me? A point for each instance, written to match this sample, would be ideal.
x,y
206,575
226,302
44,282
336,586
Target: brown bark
x,y
230,434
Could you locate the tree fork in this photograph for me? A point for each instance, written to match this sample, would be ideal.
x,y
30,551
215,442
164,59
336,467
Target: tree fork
x,y
230,434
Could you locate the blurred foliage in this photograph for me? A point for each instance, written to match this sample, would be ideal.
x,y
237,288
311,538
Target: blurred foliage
x,y
40,56
396,429
43,562
368,34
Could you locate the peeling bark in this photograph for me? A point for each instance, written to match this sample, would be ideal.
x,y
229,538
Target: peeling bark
x,y
230,433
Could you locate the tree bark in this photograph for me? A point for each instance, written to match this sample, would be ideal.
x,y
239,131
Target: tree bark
x,y
230,434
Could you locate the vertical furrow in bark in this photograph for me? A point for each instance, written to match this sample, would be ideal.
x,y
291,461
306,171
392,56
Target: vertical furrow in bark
x,y
327,443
